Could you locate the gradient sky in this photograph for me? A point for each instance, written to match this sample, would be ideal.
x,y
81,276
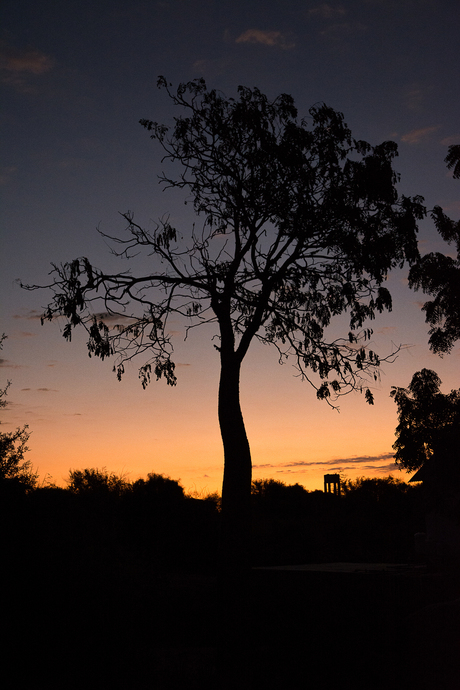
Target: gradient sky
x,y
76,77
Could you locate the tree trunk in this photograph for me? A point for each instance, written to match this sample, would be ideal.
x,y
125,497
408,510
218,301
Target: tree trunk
x,y
235,645
236,488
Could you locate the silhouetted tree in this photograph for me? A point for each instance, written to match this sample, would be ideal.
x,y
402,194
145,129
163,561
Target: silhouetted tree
x,y
300,223
14,469
378,518
429,423
159,487
439,275
97,482
274,495
13,466
3,391
377,489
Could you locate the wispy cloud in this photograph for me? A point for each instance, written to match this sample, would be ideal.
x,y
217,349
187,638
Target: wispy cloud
x,y
384,469
109,319
8,364
448,141
341,31
266,38
414,98
357,460
343,469
326,11
30,315
386,330
40,390
18,66
417,135
114,319
333,26
339,463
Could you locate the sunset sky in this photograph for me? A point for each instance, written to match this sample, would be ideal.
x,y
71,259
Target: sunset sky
x,y
76,77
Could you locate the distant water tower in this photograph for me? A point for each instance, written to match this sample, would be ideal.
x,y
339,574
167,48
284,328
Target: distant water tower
x,y
332,484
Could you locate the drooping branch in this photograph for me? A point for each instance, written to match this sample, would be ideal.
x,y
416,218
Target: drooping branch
x,y
299,223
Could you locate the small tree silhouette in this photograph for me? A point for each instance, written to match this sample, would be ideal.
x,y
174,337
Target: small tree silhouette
x,y
159,487
97,482
14,469
429,422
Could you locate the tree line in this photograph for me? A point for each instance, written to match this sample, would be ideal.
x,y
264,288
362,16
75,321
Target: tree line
x,y
155,520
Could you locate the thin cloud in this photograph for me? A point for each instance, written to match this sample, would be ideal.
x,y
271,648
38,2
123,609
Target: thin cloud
x,y
414,98
449,141
115,319
352,462
266,38
30,315
360,460
380,469
110,319
326,11
105,316
453,207
31,61
340,31
8,364
17,67
384,469
417,135
386,330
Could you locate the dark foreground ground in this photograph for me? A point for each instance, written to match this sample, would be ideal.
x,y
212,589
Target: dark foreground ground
x,y
119,625
101,593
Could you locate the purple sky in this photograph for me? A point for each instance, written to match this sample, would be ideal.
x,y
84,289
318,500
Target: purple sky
x,y
76,77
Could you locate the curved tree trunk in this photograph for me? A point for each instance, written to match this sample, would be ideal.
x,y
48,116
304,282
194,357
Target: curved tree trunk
x,y
236,488
235,646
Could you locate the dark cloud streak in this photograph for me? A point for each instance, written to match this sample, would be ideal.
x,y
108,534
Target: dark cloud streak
x,y
337,462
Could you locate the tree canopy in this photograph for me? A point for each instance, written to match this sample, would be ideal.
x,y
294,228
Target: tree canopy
x,y
439,275
429,422
298,226
97,482
299,223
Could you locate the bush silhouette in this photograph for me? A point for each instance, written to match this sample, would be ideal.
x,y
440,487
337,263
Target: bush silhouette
x,y
97,482
159,487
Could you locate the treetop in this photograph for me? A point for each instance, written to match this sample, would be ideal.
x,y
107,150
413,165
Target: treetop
x,y
300,222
